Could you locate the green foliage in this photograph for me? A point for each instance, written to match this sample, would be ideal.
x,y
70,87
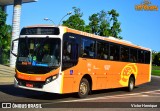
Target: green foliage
x,y
156,58
75,21
156,70
115,28
102,23
5,37
155,67
2,17
94,23
98,24
88,29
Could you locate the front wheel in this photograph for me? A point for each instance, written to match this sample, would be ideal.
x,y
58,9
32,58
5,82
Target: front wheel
x,y
131,84
84,88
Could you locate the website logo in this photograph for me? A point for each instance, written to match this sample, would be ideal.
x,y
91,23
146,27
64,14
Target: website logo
x,y
146,5
6,105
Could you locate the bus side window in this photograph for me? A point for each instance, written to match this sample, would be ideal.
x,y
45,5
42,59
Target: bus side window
x,y
102,50
140,56
124,54
147,57
114,52
133,55
99,50
88,48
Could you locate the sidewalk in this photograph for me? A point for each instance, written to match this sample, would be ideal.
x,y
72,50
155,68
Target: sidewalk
x,y
6,74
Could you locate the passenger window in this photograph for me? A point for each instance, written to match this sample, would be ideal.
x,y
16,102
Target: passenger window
x,y
114,52
124,54
147,57
88,48
102,50
133,55
140,56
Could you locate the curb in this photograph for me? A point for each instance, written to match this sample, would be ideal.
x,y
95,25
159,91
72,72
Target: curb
x,y
155,76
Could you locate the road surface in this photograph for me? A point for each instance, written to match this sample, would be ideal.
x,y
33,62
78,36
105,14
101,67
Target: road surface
x,y
144,97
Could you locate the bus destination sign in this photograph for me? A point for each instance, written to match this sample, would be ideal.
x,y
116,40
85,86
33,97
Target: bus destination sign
x,y
40,31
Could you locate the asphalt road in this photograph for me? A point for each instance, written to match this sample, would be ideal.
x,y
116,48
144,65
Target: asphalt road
x,y
146,94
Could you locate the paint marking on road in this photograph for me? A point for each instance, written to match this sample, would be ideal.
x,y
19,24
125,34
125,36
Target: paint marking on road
x,y
145,95
114,96
142,94
156,93
133,94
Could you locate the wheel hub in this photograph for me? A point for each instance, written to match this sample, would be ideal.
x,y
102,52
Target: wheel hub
x,y
83,88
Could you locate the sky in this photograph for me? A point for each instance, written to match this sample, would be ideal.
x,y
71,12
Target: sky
x,y
139,27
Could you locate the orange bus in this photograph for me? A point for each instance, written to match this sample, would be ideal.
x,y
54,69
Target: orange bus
x,y
63,60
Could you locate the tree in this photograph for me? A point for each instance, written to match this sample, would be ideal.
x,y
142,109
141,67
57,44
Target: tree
x,y
5,37
94,23
99,24
104,24
156,58
88,29
75,21
153,55
115,27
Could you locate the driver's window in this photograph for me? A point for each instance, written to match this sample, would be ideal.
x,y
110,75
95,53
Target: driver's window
x,y
70,51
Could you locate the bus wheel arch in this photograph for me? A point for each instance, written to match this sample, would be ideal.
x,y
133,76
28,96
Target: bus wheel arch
x,y
85,86
131,82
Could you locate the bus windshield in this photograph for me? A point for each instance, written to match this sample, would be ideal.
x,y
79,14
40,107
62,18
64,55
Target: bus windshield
x,y
42,52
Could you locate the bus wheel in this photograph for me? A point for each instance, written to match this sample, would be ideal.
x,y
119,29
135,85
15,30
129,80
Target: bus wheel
x,y
131,84
84,88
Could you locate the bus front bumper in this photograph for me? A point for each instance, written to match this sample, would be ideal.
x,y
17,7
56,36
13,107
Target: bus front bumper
x,y
52,87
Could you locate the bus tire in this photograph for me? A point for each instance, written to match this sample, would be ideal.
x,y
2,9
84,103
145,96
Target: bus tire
x,y
131,84
84,88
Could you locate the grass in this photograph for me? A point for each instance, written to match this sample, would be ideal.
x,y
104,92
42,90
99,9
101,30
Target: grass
x,y
156,70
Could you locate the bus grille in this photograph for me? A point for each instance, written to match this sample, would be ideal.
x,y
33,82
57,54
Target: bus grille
x,y
34,83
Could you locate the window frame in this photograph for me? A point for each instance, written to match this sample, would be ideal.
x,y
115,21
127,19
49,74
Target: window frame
x,y
84,55
124,58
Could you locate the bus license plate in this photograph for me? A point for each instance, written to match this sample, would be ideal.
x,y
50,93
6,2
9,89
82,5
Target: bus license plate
x,y
29,85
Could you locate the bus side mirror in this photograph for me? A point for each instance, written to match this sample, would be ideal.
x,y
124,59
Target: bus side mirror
x,y
13,46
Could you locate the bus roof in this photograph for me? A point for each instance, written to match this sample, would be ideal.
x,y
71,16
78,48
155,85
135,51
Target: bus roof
x,y
39,25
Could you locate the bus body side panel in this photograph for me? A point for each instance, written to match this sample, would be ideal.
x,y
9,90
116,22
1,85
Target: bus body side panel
x,y
104,74
144,74
71,82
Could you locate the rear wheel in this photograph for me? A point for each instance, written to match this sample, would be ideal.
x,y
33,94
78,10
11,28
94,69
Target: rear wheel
x,y
84,88
131,84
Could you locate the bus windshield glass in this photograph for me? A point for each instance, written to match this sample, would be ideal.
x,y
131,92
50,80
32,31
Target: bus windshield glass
x,y
42,52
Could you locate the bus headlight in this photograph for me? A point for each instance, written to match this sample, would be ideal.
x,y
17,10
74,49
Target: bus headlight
x,y
50,79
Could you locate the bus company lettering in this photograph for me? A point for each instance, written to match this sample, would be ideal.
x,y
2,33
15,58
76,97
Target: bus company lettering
x,y
107,67
146,6
126,72
89,66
